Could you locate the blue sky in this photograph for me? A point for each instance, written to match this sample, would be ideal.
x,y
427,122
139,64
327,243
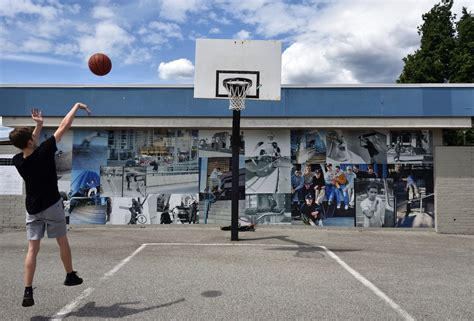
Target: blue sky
x,y
152,41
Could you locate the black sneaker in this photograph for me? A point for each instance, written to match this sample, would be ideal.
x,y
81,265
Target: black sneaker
x,y
72,279
28,298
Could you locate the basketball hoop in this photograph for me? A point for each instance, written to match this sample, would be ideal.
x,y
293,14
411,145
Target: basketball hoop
x,y
237,89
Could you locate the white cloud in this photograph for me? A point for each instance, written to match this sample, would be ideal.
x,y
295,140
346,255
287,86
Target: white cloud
x,y
102,12
11,8
242,34
36,45
180,69
338,41
66,49
137,56
176,10
108,38
37,59
214,31
170,30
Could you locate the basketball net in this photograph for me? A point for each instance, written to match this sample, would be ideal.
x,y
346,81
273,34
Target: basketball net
x,y
237,89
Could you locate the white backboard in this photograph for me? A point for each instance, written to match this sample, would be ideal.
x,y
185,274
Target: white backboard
x,y
257,60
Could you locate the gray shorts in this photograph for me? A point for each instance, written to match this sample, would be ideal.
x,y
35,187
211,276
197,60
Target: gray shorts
x,y
51,219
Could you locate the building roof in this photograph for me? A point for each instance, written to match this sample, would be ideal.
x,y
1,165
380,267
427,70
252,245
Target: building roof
x,y
374,100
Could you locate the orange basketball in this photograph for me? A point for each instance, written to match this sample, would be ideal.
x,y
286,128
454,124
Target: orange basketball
x,y
100,64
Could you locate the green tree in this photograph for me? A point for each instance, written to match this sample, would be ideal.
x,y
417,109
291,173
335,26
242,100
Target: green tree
x,y
446,54
462,62
431,63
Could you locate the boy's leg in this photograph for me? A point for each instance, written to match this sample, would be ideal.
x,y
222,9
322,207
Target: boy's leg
x,y
65,253
30,261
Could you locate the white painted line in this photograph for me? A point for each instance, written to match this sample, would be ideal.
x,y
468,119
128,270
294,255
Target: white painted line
x,y
124,261
231,244
369,285
71,306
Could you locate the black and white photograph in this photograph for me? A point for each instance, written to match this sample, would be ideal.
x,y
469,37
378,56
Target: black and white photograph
x,y
410,147
375,202
216,177
356,146
267,208
218,143
216,212
267,175
177,208
308,146
169,157
414,192
111,178
325,189
134,181
129,211
273,143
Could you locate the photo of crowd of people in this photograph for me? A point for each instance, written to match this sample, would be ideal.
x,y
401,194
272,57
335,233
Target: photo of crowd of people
x,y
325,189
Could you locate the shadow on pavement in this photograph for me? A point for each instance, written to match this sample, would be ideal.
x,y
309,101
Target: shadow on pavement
x,y
302,250
115,311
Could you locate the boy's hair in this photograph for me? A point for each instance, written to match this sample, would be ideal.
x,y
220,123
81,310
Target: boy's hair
x,y
19,137
372,186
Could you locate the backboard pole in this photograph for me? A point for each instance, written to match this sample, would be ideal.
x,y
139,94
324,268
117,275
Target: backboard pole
x,y
235,175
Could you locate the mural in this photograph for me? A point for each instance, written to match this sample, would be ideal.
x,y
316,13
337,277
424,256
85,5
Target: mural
x,y
414,192
410,147
214,143
357,147
308,146
267,209
375,202
318,177
216,177
155,209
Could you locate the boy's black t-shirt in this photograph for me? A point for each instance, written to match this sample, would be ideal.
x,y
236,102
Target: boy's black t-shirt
x,y
39,172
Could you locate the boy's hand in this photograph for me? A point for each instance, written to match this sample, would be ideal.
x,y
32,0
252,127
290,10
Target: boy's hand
x,y
37,116
83,107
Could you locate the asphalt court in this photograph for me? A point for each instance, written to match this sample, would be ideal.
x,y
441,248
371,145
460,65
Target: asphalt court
x,y
197,273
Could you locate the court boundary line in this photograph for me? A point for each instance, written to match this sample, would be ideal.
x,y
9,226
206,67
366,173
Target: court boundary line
x,y
66,310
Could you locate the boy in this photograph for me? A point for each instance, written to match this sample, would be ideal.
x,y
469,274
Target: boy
x,y
373,208
43,202
311,212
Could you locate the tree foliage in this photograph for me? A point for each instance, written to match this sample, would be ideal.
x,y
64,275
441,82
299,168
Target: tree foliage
x,y
446,54
462,62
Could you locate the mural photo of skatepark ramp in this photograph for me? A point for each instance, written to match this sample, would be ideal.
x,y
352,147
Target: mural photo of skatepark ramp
x,y
267,209
267,175
86,206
